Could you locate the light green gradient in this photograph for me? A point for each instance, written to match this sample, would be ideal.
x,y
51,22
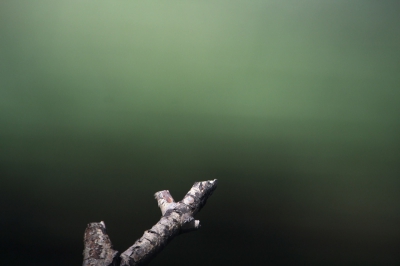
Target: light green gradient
x,y
296,99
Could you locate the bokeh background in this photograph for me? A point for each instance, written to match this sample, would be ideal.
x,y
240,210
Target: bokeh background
x,y
292,105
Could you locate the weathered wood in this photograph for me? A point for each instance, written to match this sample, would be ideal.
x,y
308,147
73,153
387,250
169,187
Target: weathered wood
x,y
177,218
98,248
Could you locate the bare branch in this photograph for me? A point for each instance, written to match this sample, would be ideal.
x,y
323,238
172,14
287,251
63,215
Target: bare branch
x,y
177,218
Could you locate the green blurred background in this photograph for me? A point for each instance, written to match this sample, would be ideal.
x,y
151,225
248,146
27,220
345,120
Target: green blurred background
x,y
292,105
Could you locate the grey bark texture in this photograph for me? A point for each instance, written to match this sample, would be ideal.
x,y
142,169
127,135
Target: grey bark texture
x,y
177,218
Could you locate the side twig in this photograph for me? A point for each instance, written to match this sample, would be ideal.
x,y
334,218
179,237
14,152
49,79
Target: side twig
x,y
177,218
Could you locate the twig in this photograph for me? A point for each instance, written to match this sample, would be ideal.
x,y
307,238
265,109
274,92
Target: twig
x,y
177,218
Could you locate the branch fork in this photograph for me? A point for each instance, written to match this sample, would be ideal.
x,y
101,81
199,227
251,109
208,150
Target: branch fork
x,y
177,218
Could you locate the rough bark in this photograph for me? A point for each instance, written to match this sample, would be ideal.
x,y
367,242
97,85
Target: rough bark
x,y
98,248
177,218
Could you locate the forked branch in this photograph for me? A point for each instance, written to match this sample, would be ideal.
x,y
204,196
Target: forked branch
x,y
177,218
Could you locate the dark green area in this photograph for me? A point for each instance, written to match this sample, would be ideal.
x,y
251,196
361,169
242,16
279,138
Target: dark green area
x,y
292,105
